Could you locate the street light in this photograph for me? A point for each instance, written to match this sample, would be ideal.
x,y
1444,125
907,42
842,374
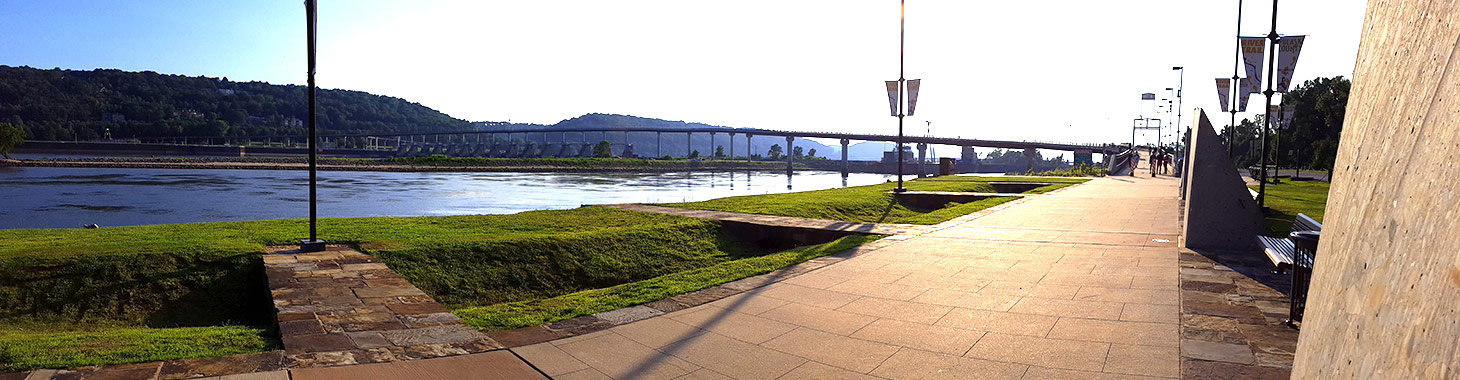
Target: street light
x,y
313,244
896,89
1180,82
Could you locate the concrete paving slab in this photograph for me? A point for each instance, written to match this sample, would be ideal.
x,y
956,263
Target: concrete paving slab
x,y
494,365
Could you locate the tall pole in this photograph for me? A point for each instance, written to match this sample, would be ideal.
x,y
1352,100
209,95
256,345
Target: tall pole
x,y
1272,36
1236,65
313,244
1180,83
901,89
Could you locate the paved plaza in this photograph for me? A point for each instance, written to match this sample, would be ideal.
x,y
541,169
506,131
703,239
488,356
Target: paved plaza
x,y
1079,283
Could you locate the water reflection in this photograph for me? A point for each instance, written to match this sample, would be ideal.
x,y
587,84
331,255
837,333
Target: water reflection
x,y
70,197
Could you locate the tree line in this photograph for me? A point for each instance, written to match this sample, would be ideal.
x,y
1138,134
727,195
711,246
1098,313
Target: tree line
x,y
66,105
1311,141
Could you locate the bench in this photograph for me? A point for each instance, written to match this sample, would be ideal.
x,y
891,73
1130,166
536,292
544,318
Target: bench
x,y
1280,250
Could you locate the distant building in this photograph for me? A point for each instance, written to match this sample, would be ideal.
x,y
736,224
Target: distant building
x,y
907,155
113,117
255,120
225,91
293,123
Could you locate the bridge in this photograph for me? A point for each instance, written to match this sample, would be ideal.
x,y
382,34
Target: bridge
x,y
540,142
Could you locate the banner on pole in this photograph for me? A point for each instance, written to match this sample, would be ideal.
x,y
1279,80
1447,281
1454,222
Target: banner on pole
x,y
1148,96
1224,87
892,95
912,95
1287,120
1287,60
1243,93
1252,50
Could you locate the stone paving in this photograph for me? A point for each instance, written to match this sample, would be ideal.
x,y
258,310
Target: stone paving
x,y
1232,322
1079,283
341,307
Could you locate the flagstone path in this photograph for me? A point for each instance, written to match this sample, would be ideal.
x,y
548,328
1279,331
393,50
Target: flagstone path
x,y
342,307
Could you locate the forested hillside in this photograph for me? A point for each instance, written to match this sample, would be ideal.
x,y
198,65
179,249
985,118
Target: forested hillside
x,y
61,104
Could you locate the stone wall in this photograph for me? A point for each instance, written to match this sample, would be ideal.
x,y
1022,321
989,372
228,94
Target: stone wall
x,y
1386,288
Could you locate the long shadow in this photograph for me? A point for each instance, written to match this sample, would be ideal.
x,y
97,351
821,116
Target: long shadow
x,y
1253,264
683,341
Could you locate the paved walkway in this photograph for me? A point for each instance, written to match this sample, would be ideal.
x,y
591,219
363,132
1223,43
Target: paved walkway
x,y
1080,283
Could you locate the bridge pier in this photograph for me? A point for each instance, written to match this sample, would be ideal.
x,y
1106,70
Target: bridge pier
x,y
789,140
922,158
748,149
689,143
732,152
844,157
712,144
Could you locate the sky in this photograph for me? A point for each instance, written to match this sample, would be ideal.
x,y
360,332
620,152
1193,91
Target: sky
x,y
1067,71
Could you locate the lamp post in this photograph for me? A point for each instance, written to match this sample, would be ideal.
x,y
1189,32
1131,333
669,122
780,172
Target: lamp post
x,y
1180,82
897,89
1236,65
313,244
1272,36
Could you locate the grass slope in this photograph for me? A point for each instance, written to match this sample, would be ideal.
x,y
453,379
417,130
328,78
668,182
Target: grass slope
x,y
1289,198
30,349
145,284
530,313
874,203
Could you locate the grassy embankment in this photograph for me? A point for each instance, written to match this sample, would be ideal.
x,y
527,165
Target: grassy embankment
x,y
875,203
73,297
1289,198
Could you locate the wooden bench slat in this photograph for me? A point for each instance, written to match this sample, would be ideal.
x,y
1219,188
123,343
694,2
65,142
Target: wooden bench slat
x,y
1280,251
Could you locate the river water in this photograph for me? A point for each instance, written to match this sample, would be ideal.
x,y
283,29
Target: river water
x,y
71,197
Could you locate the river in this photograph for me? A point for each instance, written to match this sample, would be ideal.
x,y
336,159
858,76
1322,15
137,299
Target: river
x,y
71,197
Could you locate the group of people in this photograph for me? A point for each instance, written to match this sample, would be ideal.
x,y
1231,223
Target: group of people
x,y
1161,162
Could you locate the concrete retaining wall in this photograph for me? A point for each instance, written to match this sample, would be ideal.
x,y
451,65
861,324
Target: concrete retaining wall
x,y
1385,299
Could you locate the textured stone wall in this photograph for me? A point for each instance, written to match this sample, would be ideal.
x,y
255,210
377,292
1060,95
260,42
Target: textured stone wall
x,y
1386,288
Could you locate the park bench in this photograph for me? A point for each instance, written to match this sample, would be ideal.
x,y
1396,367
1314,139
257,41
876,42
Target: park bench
x,y
1280,250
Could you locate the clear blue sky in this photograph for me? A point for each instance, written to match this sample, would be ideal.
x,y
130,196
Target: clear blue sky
x,y
212,38
1067,70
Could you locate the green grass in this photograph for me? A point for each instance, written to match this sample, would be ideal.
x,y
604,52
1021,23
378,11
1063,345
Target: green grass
x,y
1077,171
874,203
530,313
30,349
153,281
1289,198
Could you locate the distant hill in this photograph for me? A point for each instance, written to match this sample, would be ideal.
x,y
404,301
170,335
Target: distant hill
x,y
672,143
65,105
61,104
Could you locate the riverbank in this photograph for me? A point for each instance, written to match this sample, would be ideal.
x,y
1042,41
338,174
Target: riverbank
x,y
407,164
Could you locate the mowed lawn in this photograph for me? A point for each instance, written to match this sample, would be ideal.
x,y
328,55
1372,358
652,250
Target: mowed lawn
x,y
71,297
875,203
1288,198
